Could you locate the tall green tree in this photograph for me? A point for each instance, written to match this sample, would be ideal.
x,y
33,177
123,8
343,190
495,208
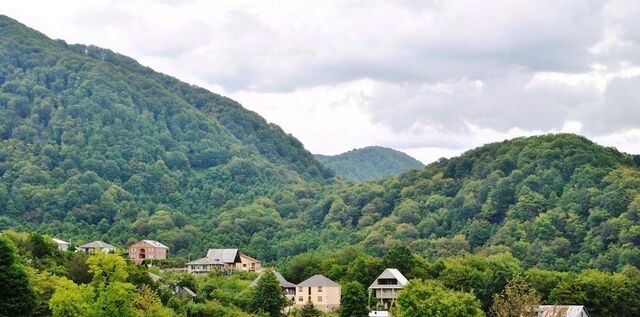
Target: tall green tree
x,y
399,257
309,310
518,299
268,296
17,297
354,300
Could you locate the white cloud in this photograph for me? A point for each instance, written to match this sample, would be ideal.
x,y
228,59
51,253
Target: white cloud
x,y
432,78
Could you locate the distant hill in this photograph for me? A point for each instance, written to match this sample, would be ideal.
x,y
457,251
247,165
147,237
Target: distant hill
x,y
369,163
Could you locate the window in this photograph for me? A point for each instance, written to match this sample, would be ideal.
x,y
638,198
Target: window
x,y
244,264
300,289
300,298
319,289
387,281
319,299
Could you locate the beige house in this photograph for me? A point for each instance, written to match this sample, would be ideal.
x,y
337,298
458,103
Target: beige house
x,y
148,249
96,246
386,287
321,291
224,260
562,311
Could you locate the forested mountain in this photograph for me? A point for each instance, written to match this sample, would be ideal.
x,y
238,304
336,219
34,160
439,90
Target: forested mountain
x,y
95,146
91,143
369,163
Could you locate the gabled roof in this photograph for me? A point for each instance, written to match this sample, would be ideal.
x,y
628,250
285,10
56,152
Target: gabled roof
x,y
224,255
281,280
97,245
204,261
390,274
318,280
58,241
562,311
156,244
183,290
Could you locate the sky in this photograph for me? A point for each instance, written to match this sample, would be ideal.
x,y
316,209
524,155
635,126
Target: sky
x,y
431,78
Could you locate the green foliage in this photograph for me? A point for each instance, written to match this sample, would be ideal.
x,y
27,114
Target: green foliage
x,y
369,163
268,296
354,301
428,298
17,296
309,310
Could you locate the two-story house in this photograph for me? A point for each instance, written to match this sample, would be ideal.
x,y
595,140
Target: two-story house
x,y
386,287
321,291
147,249
288,287
224,260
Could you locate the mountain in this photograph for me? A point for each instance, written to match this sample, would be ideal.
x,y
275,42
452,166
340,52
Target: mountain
x,y
92,142
369,163
554,201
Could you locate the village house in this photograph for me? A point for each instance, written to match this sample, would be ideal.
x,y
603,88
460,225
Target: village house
x,y
147,249
561,311
386,287
62,245
96,246
321,291
288,287
224,260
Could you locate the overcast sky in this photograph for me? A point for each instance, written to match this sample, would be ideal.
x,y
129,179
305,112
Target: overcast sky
x,y
430,78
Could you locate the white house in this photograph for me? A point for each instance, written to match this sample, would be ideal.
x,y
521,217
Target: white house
x,y
96,246
386,287
62,245
562,311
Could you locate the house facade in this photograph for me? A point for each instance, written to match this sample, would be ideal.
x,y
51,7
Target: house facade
x,y
386,287
321,291
561,311
96,246
147,249
62,245
288,287
224,260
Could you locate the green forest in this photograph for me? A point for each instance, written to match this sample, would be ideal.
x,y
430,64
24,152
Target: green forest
x,y
369,163
94,146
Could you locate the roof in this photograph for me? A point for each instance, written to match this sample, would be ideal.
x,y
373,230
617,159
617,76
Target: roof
x,y
562,311
281,280
390,273
205,260
183,290
318,280
97,245
154,277
379,313
156,244
58,241
224,255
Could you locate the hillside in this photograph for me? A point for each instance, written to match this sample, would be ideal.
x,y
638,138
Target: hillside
x,y
369,163
95,144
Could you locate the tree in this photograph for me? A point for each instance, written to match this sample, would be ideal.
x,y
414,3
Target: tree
x,y
353,302
107,268
309,310
268,296
17,297
70,300
518,299
399,257
429,298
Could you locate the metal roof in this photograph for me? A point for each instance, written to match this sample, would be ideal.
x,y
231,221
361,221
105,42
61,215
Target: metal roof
x,y
58,241
224,255
205,260
281,280
318,280
562,311
97,245
390,274
156,244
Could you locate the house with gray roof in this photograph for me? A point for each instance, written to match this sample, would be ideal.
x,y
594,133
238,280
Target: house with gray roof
x,y
62,245
319,290
288,287
226,260
96,246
